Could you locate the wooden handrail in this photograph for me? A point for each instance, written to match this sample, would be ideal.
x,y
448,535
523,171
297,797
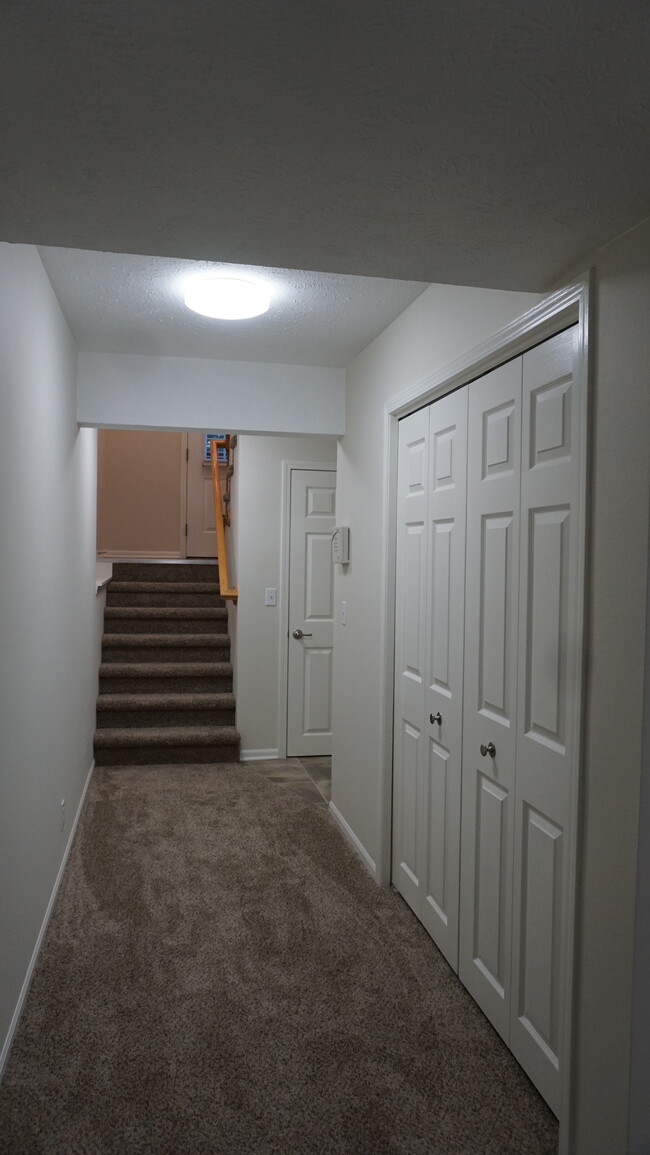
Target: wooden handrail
x,y
224,587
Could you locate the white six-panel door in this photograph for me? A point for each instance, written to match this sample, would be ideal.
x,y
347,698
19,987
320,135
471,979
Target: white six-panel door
x,y
490,699
311,612
547,709
443,703
429,669
487,676
410,657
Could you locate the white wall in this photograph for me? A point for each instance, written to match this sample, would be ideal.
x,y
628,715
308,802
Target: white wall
x,y
619,487
50,619
129,391
436,329
258,513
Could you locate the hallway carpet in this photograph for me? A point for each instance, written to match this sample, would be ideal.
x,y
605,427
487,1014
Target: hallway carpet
x,y
220,975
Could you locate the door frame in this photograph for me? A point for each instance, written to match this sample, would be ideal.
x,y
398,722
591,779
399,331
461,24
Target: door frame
x,y
283,591
568,306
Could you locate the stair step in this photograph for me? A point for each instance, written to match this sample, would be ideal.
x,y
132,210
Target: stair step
x,y
138,587
165,619
172,745
163,594
164,647
166,709
166,572
165,677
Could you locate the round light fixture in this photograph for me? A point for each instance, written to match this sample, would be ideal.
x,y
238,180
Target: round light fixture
x,y
226,298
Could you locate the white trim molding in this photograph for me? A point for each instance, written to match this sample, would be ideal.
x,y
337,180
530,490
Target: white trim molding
x,y
355,842
258,755
4,1054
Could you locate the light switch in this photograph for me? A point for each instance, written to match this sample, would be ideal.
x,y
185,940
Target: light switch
x,y
344,613
270,596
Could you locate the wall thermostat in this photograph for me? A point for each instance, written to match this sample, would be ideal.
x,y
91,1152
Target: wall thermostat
x,y
341,544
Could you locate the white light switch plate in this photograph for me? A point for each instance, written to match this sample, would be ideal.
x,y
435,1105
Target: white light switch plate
x,y
270,596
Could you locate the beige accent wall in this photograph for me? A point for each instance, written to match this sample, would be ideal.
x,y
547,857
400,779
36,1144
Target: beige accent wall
x,y
139,493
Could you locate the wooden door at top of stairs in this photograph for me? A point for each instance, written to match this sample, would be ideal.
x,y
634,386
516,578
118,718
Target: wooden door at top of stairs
x,y
311,612
200,538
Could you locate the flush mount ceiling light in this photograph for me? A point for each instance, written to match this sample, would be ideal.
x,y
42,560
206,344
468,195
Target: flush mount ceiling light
x,y
226,298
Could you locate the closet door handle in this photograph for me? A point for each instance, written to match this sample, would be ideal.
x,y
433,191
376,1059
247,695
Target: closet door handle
x,y
489,749
436,718
298,634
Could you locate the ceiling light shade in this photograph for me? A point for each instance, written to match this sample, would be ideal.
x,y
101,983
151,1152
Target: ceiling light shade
x,y
226,298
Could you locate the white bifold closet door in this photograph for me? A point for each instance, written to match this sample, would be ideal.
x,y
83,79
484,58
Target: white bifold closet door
x,y
487,689
429,664
490,699
548,710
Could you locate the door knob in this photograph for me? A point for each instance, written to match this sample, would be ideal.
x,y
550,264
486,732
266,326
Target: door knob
x,y
436,718
489,749
298,634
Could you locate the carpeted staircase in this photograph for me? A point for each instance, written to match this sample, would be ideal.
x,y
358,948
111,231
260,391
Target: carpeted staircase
x,y
165,682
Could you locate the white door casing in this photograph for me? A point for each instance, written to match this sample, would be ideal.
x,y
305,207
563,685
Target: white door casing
x,y
311,610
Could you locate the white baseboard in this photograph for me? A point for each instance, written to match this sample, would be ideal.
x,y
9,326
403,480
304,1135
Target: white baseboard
x,y
4,1054
257,755
368,862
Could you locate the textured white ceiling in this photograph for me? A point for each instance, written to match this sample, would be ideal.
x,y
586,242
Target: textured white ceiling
x,y
117,303
436,140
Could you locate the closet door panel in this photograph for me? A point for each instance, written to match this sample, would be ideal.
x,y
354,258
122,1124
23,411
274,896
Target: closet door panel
x,y
444,668
547,729
409,755
490,689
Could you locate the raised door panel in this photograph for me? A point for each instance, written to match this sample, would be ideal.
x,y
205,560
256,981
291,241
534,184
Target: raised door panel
x,y
409,753
443,705
311,609
548,710
490,685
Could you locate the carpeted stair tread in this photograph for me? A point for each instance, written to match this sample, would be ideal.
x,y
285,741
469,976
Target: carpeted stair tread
x,y
143,587
164,669
168,736
165,613
169,573
135,620
164,701
162,641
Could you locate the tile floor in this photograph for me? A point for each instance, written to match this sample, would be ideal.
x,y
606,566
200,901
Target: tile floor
x,y
310,778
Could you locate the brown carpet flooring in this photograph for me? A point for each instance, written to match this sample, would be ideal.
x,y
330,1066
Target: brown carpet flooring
x,y
220,975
